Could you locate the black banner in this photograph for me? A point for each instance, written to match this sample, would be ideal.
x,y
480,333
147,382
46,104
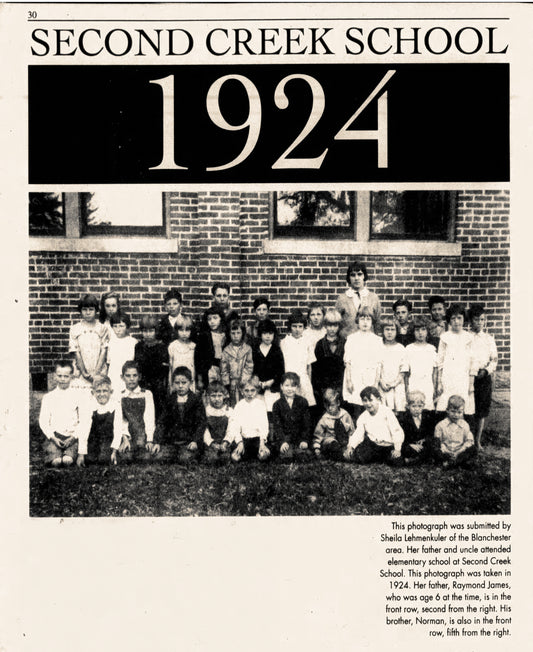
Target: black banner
x,y
104,124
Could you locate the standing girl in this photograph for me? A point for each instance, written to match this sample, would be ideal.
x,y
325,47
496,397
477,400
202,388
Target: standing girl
x,y
236,364
269,365
363,353
181,351
88,340
456,369
298,356
109,306
393,368
422,362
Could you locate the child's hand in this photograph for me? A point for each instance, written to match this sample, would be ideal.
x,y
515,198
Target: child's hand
x,y
348,452
153,448
303,446
240,449
125,445
58,442
317,452
114,455
80,461
193,446
284,447
215,446
417,447
395,454
264,451
224,445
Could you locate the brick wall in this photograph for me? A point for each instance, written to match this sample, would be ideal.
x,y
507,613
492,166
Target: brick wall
x,y
221,237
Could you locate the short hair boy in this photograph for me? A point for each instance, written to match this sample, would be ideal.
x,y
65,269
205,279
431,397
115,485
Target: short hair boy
x,y
216,437
437,325
334,428
179,431
418,425
378,436
166,330
454,443
102,432
59,418
138,412
404,329
291,422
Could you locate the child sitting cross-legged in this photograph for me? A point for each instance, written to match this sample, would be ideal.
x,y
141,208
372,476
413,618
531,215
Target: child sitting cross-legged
x,y
418,425
454,443
59,418
139,414
291,421
334,428
101,435
378,436
248,427
180,430
216,436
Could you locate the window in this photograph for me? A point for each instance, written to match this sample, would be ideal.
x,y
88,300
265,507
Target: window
x,y
411,215
114,219
412,222
46,213
109,212
314,214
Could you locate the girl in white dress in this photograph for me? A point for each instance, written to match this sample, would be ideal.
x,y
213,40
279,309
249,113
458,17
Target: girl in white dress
x,y
298,355
422,362
456,368
363,354
393,368
181,350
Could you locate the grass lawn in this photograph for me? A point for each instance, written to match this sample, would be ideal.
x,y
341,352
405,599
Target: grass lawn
x,y
249,489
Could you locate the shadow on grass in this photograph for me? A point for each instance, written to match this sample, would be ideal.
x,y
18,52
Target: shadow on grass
x,y
250,489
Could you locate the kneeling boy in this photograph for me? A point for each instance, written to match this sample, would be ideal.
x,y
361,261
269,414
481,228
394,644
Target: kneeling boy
x,y
102,430
334,429
59,418
139,414
454,443
378,436
180,430
291,420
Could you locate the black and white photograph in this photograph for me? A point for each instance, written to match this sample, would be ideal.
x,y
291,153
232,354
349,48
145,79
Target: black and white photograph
x,y
228,354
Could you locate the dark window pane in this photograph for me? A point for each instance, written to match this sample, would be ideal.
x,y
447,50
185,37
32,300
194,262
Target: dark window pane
x,y
313,214
422,215
46,214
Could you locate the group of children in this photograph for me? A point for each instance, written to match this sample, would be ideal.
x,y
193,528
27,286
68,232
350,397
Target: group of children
x,y
219,391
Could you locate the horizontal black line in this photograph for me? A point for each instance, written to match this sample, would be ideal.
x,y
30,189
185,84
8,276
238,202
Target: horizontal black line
x,y
235,20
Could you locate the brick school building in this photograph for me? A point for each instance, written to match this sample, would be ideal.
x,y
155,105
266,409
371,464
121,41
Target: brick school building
x,y
293,247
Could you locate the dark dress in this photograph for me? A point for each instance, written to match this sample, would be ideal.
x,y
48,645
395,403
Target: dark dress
x,y
153,365
328,370
271,366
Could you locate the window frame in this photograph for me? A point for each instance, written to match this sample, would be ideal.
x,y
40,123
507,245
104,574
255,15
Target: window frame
x,y
330,232
114,239
361,243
